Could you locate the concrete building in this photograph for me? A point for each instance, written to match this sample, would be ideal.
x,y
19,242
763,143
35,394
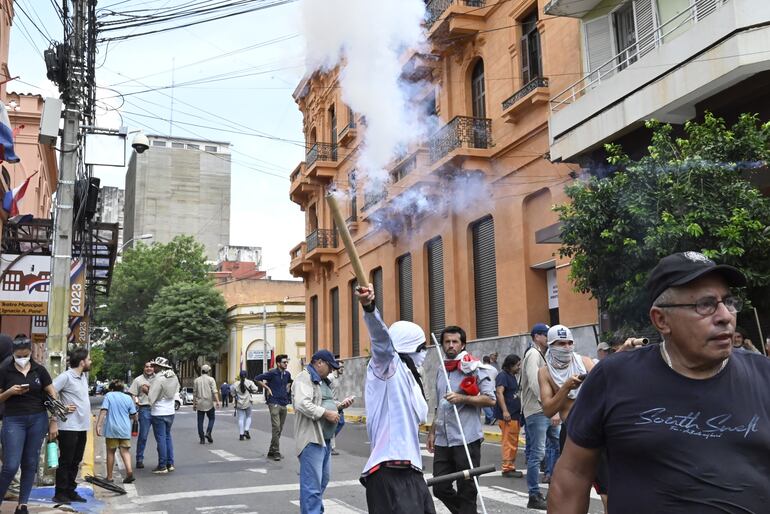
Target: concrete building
x,y
180,186
485,260
111,206
238,263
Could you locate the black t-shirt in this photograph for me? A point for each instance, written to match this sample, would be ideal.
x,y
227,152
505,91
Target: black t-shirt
x,y
510,395
30,402
675,444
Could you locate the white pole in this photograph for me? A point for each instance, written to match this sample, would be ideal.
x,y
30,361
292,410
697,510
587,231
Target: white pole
x,y
459,424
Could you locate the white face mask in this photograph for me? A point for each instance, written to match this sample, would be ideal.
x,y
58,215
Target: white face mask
x,y
21,361
418,358
561,356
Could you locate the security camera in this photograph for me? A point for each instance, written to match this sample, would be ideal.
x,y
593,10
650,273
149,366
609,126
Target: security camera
x,y
141,143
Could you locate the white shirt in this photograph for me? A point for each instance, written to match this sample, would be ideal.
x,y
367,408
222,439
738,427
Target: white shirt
x,y
163,407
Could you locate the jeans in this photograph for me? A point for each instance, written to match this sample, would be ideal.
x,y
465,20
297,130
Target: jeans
x,y
244,419
489,415
277,419
211,413
22,439
161,427
449,459
145,420
314,471
538,429
552,451
340,423
72,444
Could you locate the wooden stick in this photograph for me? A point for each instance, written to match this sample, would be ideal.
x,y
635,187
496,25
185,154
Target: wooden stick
x,y
342,229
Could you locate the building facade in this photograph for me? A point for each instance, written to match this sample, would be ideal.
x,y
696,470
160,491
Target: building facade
x,y
110,208
484,255
179,186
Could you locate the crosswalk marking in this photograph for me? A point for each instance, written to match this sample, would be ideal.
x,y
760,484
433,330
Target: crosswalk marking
x,y
258,470
220,507
333,506
231,457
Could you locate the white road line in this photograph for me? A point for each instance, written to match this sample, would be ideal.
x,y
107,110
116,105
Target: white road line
x,y
217,508
227,461
503,495
226,455
332,506
233,491
258,470
130,490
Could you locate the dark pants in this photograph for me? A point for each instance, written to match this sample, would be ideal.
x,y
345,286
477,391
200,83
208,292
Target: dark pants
x,y
22,438
225,399
72,444
277,419
211,413
450,459
398,491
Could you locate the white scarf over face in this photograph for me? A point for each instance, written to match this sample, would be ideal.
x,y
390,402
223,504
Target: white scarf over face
x,y
561,369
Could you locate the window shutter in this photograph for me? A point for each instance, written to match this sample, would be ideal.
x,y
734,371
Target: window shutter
x,y
436,285
524,51
354,332
405,311
599,52
335,301
646,26
377,282
485,277
704,7
314,322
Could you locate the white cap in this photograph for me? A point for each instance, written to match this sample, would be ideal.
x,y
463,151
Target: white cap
x,y
559,333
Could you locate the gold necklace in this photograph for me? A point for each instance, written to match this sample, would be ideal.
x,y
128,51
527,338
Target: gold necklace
x,y
667,359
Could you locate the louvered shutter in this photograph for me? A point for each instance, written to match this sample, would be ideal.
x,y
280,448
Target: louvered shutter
x,y
704,7
377,282
335,301
314,322
405,311
599,52
524,51
646,26
485,277
436,285
354,333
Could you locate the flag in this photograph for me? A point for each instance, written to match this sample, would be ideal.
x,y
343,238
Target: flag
x,y
12,198
7,153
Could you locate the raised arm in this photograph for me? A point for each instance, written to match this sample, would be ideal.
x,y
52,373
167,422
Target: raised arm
x,y
382,349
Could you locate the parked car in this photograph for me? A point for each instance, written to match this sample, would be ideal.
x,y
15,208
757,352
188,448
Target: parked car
x,y
177,401
187,395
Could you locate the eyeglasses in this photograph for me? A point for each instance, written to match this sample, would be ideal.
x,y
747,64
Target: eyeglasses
x,y
708,306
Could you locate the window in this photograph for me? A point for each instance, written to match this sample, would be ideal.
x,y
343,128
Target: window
x,y
404,266
354,329
333,125
177,145
485,276
478,91
353,194
625,36
377,283
314,322
155,142
436,285
210,148
351,118
335,301
531,62
193,147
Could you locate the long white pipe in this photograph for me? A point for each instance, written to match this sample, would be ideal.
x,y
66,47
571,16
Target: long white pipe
x,y
459,423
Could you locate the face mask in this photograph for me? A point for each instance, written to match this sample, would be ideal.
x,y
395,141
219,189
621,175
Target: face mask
x,y
21,361
418,358
561,357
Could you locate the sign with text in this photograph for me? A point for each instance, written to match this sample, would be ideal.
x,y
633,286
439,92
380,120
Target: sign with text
x,y
26,281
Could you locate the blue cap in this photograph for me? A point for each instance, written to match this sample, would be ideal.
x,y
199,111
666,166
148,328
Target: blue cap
x,y
539,328
327,356
243,373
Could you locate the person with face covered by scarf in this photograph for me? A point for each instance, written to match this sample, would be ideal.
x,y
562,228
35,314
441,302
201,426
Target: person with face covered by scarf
x,y
395,408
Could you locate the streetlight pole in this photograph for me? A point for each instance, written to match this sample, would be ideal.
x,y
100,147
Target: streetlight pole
x,y
137,238
264,338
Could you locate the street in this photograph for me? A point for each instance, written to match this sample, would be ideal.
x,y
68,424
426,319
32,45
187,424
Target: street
x,y
232,476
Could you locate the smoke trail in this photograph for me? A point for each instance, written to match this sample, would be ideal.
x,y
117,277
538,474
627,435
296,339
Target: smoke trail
x,y
367,38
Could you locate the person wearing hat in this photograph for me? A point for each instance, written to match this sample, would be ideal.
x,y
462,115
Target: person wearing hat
x,y
603,349
161,394
395,408
142,401
205,401
242,401
539,429
315,420
685,423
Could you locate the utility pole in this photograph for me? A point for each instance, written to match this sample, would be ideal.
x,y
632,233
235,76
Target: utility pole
x,y
264,338
61,260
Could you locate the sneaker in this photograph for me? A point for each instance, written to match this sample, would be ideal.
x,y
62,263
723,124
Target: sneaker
x,y
513,474
61,499
170,468
277,456
139,464
335,452
159,470
209,438
203,441
77,498
537,501
129,479
246,433
546,479
21,509
241,438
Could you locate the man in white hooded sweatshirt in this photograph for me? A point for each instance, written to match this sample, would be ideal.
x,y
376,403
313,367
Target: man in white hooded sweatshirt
x,y
395,407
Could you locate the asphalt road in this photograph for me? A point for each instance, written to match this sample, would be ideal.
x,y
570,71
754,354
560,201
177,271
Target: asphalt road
x,y
235,477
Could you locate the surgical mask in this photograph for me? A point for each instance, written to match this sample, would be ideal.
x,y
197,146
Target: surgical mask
x,y
561,356
418,358
21,361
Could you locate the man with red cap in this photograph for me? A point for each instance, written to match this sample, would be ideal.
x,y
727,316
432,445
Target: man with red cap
x,y
470,389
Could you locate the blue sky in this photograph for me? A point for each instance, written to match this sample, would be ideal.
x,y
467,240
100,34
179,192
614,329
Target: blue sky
x,y
257,102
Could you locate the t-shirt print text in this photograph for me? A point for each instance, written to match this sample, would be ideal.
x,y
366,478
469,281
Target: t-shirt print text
x,y
692,423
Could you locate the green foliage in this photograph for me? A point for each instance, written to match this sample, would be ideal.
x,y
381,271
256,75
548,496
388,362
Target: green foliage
x,y
186,321
97,363
691,193
137,280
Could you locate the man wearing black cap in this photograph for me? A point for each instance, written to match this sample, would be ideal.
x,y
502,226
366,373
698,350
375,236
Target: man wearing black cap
x,y
315,421
675,416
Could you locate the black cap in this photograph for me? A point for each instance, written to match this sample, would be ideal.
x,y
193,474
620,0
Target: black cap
x,y
327,356
682,268
21,342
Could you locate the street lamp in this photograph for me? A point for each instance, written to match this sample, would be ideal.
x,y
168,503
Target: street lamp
x,y
137,238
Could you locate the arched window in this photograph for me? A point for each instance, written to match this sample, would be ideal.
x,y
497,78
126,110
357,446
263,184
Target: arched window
x,y
478,91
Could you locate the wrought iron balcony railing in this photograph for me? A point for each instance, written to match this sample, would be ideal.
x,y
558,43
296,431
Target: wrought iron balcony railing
x,y
435,8
462,131
372,198
321,238
322,151
404,169
527,89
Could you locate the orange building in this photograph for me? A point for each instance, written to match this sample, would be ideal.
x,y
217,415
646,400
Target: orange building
x,y
486,260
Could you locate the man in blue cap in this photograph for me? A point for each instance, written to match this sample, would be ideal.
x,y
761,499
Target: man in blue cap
x,y
315,420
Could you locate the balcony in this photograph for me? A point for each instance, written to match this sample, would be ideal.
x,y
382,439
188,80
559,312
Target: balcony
x,y
688,62
420,67
299,264
321,245
461,140
348,133
457,17
373,198
534,93
321,161
300,189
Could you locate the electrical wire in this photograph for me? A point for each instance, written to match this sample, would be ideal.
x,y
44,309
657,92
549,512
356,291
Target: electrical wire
x,y
47,37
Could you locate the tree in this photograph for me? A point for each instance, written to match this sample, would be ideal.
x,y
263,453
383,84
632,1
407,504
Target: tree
x,y
97,362
187,321
144,271
691,193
